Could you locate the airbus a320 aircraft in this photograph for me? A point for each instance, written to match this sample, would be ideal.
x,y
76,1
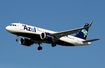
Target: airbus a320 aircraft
x,y
35,35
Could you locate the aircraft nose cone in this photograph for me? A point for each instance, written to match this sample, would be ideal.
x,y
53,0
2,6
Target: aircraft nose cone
x,y
8,28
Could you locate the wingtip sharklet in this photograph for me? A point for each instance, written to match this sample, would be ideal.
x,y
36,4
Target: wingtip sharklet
x,y
91,23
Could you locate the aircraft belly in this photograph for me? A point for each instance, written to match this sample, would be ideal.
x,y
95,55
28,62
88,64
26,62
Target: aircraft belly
x,y
62,43
59,42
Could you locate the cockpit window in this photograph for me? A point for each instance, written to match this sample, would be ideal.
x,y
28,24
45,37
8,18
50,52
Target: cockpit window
x,y
12,25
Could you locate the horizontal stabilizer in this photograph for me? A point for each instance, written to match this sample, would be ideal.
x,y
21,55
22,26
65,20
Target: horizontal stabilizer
x,y
90,40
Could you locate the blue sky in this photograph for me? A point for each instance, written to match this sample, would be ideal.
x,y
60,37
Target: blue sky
x,y
57,15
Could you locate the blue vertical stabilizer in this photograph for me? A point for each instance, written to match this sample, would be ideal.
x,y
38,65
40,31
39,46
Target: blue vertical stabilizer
x,y
84,32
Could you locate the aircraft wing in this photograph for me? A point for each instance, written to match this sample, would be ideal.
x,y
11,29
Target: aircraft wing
x,y
68,32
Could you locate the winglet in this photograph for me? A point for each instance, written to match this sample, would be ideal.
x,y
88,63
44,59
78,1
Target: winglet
x,y
91,23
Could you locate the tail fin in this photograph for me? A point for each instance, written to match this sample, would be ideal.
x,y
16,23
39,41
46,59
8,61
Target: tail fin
x,y
84,32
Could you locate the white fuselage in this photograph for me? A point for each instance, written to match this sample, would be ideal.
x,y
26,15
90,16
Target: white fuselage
x,y
18,29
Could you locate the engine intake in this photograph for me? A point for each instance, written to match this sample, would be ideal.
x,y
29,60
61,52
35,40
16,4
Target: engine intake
x,y
46,35
43,35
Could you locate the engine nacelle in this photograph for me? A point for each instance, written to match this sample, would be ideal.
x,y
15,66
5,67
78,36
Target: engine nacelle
x,y
26,42
46,36
43,35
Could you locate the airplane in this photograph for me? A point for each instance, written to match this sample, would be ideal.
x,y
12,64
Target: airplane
x,y
34,35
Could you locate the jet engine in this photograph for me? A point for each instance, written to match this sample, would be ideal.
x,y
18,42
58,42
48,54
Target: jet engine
x,y
46,36
26,42
43,35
